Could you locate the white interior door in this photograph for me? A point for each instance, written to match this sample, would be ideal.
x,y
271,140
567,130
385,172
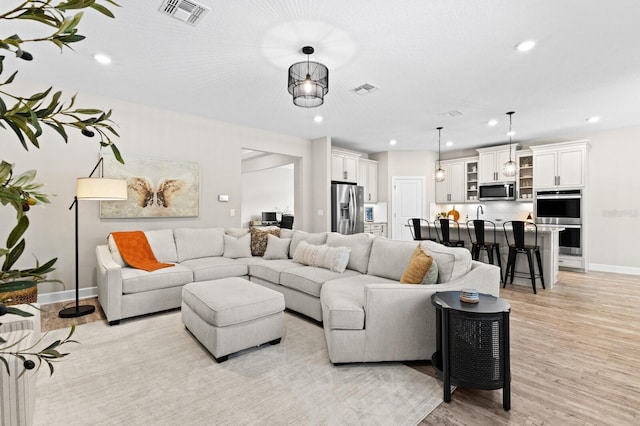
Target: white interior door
x,y
408,202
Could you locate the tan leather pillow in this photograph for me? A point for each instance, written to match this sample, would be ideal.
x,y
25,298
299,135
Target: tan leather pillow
x,y
418,266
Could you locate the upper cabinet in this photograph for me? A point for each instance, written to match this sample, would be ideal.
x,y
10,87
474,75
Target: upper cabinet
x,y
344,166
368,178
491,161
560,165
453,188
525,175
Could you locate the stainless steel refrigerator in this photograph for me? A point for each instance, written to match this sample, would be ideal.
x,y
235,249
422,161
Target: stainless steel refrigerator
x,y
347,208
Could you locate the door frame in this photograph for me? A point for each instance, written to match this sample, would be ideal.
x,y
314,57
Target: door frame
x,y
395,232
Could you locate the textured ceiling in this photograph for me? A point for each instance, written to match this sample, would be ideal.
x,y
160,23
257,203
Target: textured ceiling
x,y
427,58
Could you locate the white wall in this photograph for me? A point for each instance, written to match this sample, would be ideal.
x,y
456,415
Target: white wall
x,y
267,191
149,132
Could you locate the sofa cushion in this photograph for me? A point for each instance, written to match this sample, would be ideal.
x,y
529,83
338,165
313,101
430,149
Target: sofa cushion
x,y
344,300
277,248
332,258
389,258
237,247
236,232
269,270
163,245
195,243
213,268
314,238
419,265
360,245
309,279
138,281
453,262
259,239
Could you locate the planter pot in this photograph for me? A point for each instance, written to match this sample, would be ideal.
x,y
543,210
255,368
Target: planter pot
x,y
18,292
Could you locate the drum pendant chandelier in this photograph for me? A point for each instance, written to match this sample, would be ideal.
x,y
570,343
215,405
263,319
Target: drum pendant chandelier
x,y
308,81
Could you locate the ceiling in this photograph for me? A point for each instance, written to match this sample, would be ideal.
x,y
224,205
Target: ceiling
x,y
427,58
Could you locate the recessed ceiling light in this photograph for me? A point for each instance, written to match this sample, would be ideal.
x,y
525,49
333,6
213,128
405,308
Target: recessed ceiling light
x,y
318,119
525,46
101,58
593,119
393,142
449,143
492,123
511,133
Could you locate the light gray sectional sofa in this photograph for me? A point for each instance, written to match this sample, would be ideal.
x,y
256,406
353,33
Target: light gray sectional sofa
x,y
366,313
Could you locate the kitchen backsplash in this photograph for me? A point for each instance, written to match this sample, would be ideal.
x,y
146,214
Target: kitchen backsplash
x,y
495,211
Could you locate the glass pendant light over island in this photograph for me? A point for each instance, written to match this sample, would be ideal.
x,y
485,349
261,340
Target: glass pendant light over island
x,y
439,174
510,167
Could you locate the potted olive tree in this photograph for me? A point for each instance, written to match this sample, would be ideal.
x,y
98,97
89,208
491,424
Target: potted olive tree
x,y
27,117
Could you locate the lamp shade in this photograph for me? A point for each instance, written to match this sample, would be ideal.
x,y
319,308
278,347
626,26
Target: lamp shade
x,y
101,189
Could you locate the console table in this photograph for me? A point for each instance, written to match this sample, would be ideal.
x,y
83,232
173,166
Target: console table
x,y
472,343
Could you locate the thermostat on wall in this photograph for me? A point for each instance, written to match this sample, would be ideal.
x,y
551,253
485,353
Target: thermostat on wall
x,y
223,198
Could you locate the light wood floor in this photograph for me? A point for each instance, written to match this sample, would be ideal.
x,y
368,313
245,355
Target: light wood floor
x,y
575,356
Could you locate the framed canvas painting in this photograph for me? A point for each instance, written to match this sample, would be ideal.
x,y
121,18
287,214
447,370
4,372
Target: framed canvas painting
x,y
155,188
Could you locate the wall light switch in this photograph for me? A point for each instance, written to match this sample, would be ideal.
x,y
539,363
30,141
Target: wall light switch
x,y
223,198
232,212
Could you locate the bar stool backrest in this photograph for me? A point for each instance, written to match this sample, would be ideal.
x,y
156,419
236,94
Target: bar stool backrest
x,y
480,228
518,228
446,227
417,225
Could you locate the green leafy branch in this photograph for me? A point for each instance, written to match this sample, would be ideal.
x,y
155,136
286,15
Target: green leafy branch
x,y
27,114
48,355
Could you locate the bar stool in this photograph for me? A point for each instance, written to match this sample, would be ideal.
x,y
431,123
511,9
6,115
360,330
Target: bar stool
x,y
519,246
444,229
479,241
420,229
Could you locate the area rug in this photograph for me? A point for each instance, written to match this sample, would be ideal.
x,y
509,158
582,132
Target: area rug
x,y
152,371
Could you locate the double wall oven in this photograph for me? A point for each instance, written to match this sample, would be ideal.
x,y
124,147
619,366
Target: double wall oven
x,y
562,208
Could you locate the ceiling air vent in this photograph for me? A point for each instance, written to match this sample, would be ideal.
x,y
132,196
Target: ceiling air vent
x,y
184,10
365,89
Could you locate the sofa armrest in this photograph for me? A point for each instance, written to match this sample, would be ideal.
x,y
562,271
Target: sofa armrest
x,y
400,319
109,275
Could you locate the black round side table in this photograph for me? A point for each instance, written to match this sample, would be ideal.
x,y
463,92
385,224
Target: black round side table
x,y
472,343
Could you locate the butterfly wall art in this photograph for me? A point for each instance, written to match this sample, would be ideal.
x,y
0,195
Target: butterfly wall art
x,y
155,188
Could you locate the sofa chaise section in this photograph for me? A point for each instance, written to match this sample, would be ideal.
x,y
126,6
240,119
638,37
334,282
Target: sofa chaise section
x,y
373,317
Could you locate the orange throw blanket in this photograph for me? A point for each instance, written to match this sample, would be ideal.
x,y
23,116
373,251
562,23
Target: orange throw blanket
x,y
136,251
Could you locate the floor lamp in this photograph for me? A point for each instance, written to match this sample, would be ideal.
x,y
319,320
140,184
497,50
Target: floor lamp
x,y
95,189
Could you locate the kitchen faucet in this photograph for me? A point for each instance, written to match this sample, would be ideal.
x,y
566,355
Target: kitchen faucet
x,y
479,210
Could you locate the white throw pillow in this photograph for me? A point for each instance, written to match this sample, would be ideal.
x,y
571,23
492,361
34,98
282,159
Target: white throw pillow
x,y
453,262
323,256
277,248
236,232
115,253
237,247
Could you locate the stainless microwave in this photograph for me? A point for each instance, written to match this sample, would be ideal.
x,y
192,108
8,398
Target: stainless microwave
x,y
497,191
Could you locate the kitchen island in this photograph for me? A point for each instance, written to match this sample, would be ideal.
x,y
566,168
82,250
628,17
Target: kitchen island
x,y
548,240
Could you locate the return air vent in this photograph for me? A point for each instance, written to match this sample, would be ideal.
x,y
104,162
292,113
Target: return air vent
x,y
184,10
365,89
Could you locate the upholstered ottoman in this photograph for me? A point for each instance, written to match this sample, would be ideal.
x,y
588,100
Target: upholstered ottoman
x,y
232,314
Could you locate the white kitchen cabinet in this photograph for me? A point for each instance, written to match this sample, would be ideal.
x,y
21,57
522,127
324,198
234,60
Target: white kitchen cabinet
x,y
491,162
377,229
368,179
560,165
453,188
344,166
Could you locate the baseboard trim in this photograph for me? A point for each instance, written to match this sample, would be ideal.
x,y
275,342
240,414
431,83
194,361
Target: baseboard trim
x,y
628,270
67,295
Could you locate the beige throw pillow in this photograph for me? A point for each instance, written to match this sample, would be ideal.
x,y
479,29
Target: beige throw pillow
x,y
418,267
277,248
332,258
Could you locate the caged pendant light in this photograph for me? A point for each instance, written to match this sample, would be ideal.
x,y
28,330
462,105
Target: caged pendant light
x,y
510,168
440,174
308,81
